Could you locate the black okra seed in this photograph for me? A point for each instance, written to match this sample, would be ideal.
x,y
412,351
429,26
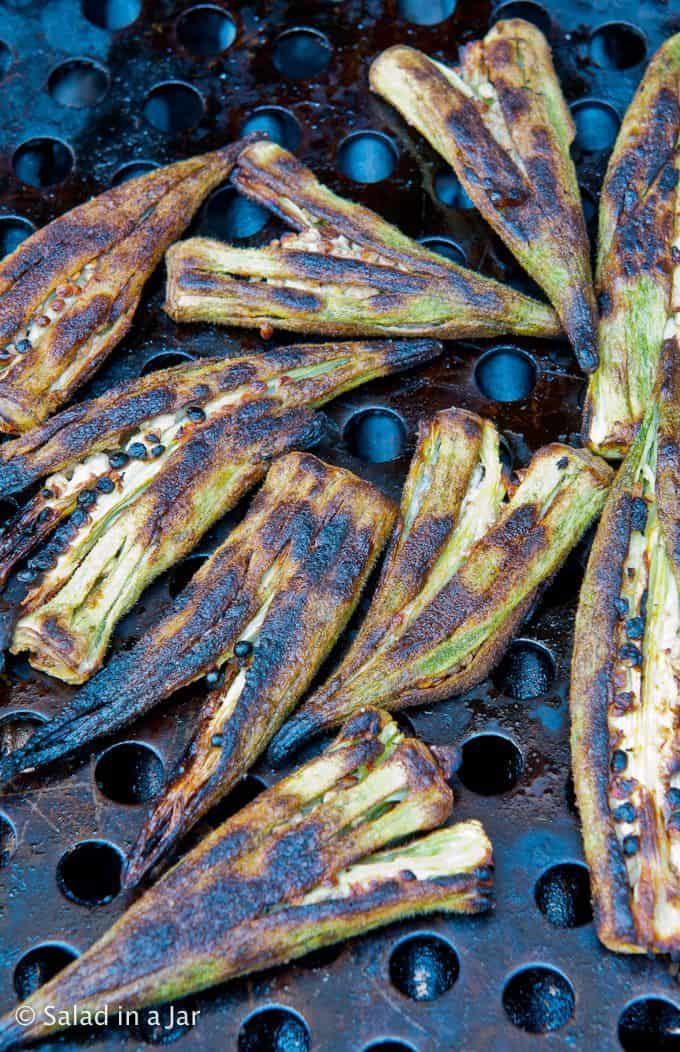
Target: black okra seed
x,y
624,813
628,652
118,460
78,517
217,741
243,648
621,606
674,797
635,628
137,451
87,498
194,412
214,678
158,450
631,844
105,484
24,346
619,760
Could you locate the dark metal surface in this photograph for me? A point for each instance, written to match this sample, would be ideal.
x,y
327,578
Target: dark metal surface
x,y
102,112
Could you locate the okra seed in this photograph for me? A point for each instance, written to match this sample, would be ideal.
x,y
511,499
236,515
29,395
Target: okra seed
x,y
44,516
243,648
629,652
624,813
631,843
24,346
635,628
619,760
158,451
153,438
79,517
137,450
105,484
118,460
214,678
42,561
47,493
621,606
27,575
217,740
194,412
562,463
673,796
87,498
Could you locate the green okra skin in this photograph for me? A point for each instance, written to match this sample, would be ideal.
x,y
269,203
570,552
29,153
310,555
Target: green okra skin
x,y
301,867
638,258
205,432
500,120
469,604
346,272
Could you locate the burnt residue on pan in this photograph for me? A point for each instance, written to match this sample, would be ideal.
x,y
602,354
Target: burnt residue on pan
x,y
137,83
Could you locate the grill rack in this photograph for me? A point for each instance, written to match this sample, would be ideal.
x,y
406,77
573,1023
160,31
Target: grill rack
x,y
93,92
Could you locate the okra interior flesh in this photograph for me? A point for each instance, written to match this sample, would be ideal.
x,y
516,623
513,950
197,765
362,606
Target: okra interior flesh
x,y
625,706
141,472
69,292
299,562
500,120
346,272
638,260
299,868
444,616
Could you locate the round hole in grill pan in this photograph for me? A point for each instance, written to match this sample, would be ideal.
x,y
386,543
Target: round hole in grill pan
x,y
375,435
89,872
165,360
539,999
506,374
446,247
274,1029
131,170
367,156
491,764
301,53
526,671
423,967
389,1045
181,574
40,965
129,773
43,161
13,230
206,30
562,895
526,9
78,83
8,840
5,58
650,1024
112,14
426,12
173,107
450,191
597,125
16,728
279,124
618,45
230,216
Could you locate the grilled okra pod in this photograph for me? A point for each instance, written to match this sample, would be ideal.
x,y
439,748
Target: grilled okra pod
x,y
463,571
297,565
347,272
625,704
501,122
139,474
280,588
68,293
299,868
638,258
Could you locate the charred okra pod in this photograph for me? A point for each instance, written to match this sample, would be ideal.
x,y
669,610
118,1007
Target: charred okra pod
x,y
625,703
298,869
347,272
262,613
69,292
501,122
638,259
463,571
139,474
